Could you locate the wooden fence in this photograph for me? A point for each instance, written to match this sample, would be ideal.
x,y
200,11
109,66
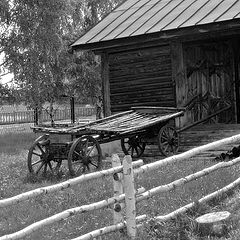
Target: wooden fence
x,y
125,194
60,114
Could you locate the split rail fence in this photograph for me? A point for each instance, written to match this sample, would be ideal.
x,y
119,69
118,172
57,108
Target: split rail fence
x,y
125,195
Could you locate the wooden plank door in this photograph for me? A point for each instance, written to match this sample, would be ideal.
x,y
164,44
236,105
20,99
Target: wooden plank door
x,y
209,84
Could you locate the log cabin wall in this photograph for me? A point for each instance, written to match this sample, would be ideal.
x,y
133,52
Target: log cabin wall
x,y
204,80
141,77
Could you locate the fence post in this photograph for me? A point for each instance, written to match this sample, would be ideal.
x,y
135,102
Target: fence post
x,y
130,201
14,116
118,190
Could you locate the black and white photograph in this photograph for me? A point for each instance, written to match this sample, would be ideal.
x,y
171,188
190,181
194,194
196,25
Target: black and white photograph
x,y
120,119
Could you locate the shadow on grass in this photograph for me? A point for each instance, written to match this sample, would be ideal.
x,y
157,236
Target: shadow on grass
x,y
48,177
14,143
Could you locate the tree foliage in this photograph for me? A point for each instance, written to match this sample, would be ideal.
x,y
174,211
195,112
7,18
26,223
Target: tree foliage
x,y
36,43
84,69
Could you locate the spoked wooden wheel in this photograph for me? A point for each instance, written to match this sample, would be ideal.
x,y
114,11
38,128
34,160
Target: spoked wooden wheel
x,y
85,155
39,159
133,146
168,141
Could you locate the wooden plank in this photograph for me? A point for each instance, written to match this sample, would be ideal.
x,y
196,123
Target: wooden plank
x,y
159,99
117,107
178,78
141,79
154,109
129,87
204,134
204,119
111,125
159,59
163,119
105,85
236,53
140,53
148,91
141,98
112,117
119,126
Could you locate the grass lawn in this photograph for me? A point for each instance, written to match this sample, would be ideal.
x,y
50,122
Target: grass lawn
x,y
14,179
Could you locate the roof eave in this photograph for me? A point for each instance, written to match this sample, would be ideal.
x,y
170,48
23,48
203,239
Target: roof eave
x,y
231,27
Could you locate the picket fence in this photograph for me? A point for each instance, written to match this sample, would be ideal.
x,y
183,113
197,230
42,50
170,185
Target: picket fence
x,y
125,195
59,114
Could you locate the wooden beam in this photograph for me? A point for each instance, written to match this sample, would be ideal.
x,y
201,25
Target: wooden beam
x,y
105,85
178,78
236,59
204,119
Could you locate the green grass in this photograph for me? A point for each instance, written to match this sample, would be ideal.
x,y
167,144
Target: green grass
x,y
15,179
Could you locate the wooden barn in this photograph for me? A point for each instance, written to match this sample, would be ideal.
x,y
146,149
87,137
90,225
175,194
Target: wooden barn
x,y
170,53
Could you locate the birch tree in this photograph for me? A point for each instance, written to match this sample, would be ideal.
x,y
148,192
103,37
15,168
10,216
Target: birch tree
x,y
36,47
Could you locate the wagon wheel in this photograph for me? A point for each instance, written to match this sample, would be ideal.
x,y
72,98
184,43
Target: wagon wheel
x,y
84,155
133,146
39,159
168,141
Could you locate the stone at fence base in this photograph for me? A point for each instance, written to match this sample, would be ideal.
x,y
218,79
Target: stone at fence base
x,y
214,224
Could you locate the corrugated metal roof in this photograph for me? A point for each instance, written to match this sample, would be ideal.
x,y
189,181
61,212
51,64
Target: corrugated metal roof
x,y
138,17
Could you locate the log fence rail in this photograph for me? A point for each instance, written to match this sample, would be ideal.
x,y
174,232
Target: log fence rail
x,y
125,194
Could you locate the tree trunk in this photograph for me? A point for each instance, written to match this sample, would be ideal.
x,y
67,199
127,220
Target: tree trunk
x,y
51,113
40,118
214,223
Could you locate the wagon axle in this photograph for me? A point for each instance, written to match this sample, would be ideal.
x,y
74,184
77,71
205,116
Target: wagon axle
x,y
82,154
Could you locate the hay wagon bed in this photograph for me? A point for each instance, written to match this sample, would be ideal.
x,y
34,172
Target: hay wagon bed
x,y
135,128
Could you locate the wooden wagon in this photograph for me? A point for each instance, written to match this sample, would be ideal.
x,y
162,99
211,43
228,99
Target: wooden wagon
x,y
135,128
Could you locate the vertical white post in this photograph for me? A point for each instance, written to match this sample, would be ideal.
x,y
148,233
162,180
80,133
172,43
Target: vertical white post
x,y
128,185
118,190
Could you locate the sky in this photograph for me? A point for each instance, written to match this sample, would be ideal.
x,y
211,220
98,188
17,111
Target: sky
x,y
6,78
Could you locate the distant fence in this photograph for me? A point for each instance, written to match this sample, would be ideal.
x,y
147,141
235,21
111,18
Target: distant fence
x,y
59,114
125,194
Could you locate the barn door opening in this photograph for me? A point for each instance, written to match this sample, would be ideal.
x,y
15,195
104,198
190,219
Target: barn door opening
x,y
209,81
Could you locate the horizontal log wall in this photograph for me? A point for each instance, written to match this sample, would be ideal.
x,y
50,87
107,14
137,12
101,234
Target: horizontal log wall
x,y
141,78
